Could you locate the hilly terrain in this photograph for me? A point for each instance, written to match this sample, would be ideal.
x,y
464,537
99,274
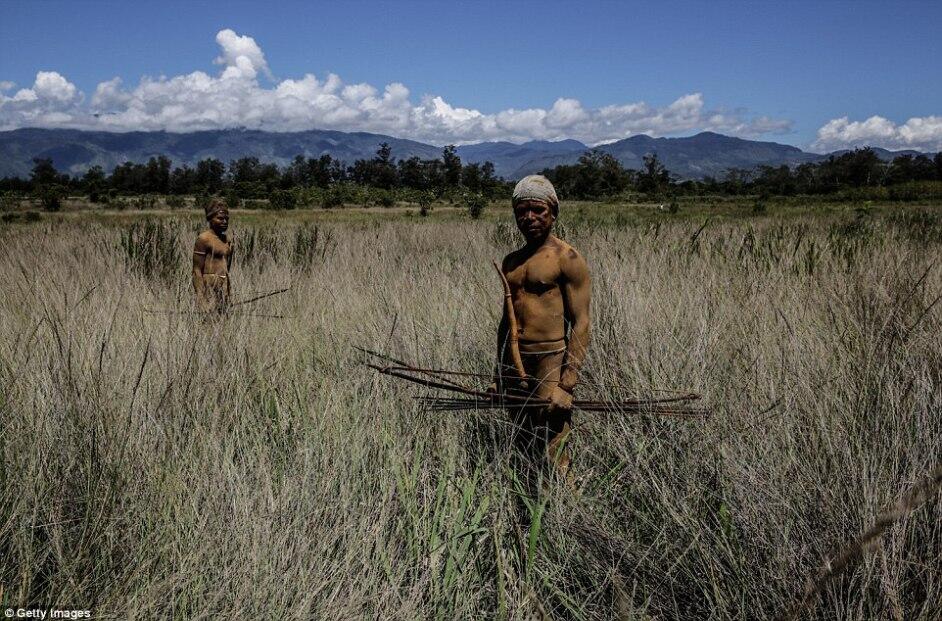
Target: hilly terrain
x,y
74,151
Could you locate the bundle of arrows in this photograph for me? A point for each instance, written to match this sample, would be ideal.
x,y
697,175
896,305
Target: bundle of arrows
x,y
677,405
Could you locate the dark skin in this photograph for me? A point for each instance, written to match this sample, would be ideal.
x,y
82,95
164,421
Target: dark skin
x,y
550,290
212,258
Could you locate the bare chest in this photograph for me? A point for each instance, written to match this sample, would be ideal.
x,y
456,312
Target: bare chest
x,y
217,256
536,275
218,249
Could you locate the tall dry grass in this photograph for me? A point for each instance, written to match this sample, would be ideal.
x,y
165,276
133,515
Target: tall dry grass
x,y
155,465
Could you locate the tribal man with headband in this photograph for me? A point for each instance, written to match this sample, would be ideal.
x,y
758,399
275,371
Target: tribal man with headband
x,y
212,256
549,288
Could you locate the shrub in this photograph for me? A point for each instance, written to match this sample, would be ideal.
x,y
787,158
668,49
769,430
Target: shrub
x,y
50,196
9,201
232,200
97,195
175,201
380,197
475,203
307,197
333,197
425,199
282,199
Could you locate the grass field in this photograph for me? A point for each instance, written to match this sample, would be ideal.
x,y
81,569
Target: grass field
x,y
155,465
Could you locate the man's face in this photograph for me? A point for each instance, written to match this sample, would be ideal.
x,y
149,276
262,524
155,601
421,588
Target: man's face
x,y
219,222
534,219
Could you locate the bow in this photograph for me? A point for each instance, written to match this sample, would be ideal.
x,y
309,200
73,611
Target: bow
x,y
512,328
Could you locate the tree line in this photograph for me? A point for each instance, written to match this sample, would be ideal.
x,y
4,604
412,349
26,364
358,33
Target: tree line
x,y
383,180
599,175
248,178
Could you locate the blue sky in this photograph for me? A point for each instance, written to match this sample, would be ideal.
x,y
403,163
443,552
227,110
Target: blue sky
x,y
818,75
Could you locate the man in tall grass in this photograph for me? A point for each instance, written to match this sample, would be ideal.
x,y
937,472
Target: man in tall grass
x,y
212,257
550,290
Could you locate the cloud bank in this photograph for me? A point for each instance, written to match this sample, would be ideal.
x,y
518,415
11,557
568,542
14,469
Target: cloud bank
x,y
237,97
245,94
920,133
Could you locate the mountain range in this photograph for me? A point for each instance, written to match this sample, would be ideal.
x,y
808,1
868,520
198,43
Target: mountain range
x,y
74,151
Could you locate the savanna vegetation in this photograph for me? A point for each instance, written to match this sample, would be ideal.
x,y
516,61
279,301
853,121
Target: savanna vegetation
x,y
383,181
854,175
155,465
307,182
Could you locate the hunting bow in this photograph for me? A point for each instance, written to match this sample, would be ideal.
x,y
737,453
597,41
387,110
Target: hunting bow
x,y
511,326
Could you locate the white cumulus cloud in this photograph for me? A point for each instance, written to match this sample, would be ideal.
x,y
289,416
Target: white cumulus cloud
x,y
235,97
920,133
241,55
49,102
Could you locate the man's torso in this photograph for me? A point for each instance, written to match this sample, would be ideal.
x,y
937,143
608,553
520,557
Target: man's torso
x,y
218,251
535,289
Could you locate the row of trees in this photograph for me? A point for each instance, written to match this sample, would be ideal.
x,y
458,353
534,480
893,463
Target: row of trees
x,y
595,175
599,174
249,178
861,168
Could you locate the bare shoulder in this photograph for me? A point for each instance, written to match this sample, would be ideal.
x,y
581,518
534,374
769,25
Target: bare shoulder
x,y
566,251
571,261
203,240
510,260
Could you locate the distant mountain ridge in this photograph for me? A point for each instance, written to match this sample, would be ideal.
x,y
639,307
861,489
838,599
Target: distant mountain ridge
x,y
74,151
706,153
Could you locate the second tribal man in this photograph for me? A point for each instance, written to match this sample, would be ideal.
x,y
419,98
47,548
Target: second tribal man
x,y
550,292
212,258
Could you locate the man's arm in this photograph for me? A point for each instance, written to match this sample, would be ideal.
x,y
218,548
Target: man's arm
x,y
199,260
577,292
229,267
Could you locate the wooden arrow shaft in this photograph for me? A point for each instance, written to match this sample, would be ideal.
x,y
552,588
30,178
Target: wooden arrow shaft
x,y
259,297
